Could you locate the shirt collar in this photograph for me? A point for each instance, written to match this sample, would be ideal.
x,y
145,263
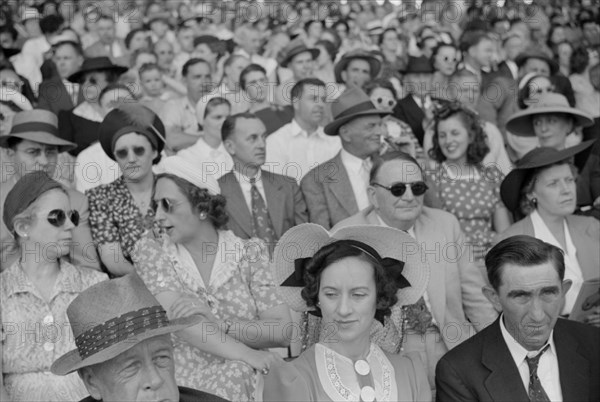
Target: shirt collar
x,y
351,161
242,178
297,130
518,352
410,231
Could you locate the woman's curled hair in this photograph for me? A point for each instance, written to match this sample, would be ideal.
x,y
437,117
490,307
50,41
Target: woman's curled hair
x,y
385,287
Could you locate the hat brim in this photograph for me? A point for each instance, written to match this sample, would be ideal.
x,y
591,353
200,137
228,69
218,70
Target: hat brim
x,y
314,53
522,58
521,123
510,188
305,240
374,63
77,76
42,137
72,361
333,127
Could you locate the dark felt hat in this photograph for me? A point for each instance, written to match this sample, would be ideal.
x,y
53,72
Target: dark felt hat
x,y
341,65
294,48
351,104
96,64
533,53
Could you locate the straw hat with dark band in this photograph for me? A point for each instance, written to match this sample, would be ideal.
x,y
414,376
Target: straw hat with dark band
x,y
510,189
38,126
351,104
110,318
303,241
521,123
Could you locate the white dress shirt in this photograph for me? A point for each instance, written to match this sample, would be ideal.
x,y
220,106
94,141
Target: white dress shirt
x,y
291,151
358,173
181,114
265,62
209,160
547,370
93,168
247,187
572,267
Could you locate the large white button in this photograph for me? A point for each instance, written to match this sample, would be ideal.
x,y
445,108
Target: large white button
x,y
362,367
49,319
367,394
48,346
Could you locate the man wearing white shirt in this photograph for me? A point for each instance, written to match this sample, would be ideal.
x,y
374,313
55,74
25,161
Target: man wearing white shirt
x,y
244,138
529,353
248,41
454,307
301,145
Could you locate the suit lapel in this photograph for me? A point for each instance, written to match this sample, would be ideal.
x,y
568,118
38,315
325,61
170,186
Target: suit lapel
x,y
504,381
425,230
574,367
341,188
236,203
274,192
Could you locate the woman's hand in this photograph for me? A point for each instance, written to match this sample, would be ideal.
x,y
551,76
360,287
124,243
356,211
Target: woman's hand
x,y
262,360
593,318
186,306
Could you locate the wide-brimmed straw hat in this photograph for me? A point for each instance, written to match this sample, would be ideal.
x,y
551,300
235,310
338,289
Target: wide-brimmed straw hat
x,y
304,240
533,53
180,167
510,189
131,118
341,65
351,104
37,125
294,48
96,64
521,123
110,318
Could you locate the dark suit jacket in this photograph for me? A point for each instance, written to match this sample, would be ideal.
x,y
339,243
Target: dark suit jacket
x,y
409,112
53,96
82,132
482,368
185,395
285,204
498,101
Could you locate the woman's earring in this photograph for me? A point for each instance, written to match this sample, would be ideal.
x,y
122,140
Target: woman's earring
x,y
202,215
534,202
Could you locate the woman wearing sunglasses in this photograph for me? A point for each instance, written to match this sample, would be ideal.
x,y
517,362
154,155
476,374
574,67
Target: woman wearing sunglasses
x,y
36,290
467,188
445,58
120,212
196,267
531,86
355,279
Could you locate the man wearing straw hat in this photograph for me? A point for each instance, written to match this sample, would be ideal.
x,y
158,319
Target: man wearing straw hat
x,y
124,349
33,144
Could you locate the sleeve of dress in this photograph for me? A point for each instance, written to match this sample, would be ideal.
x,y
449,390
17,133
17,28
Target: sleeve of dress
x,y
255,265
284,383
418,378
102,227
154,266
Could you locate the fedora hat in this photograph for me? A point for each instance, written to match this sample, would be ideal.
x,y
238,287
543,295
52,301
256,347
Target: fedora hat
x,y
351,104
131,118
533,53
521,123
418,65
510,188
37,125
111,317
341,65
303,241
96,64
296,47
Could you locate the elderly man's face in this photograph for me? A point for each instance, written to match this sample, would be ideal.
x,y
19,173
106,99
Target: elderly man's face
x,y
399,212
530,299
362,136
146,372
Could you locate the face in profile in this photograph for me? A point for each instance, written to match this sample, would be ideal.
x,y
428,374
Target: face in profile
x,y
555,191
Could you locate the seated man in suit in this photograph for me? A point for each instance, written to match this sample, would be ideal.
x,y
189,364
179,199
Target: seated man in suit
x,y
529,353
453,307
108,45
58,93
260,203
337,188
124,348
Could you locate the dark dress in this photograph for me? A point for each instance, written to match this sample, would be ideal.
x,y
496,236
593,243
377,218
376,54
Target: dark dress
x,y
77,129
185,395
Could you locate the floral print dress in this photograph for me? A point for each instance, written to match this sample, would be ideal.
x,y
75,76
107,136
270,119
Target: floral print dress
x,y
240,289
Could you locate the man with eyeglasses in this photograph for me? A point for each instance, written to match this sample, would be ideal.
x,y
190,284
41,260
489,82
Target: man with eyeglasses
x,y
453,307
33,144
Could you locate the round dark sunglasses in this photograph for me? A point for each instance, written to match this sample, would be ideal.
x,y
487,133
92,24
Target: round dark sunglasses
x,y
398,189
58,217
381,101
124,153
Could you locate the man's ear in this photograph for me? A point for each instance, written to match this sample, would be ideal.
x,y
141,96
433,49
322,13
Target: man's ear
x,y
491,294
91,382
566,285
229,146
343,132
372,196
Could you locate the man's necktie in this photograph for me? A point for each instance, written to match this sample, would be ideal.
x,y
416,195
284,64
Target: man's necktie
x,y
536,391
262,228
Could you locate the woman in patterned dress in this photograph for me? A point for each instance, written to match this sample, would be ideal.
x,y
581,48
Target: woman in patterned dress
x,y
36,290
120,212
196,267
351,280
467,188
